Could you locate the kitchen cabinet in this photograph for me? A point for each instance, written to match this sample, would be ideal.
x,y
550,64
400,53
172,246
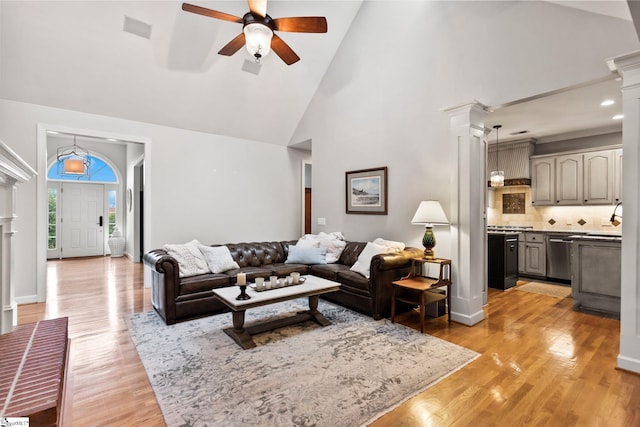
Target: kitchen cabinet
x,y
596,274
521,263
569,179
535,254
598,177
580,178
543,178
617,175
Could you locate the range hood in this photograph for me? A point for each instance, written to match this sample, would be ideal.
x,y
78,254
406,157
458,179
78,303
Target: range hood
x,y
514,159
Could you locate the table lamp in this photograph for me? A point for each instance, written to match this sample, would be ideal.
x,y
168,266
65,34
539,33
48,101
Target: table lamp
x,y
429,213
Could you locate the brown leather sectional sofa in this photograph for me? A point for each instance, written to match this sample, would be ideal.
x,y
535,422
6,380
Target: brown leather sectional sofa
x,y
177,299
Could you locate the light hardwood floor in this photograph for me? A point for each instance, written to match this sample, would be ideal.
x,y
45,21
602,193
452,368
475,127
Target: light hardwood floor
x,y
541,364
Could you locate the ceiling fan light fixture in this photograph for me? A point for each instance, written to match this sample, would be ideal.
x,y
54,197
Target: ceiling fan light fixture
x,y
258,39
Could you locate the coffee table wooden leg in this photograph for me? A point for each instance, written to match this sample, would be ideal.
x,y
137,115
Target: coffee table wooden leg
x,y
238,333
315,314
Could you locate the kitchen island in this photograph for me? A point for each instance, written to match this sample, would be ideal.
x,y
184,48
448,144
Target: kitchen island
x,y
596,273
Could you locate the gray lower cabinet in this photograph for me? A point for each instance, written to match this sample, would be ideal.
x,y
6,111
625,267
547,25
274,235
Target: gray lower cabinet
x,y
596,275
535,254
521,263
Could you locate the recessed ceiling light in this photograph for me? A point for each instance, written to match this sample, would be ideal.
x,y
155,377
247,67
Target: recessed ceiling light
x,y
53,132
112,140
607,102
618,117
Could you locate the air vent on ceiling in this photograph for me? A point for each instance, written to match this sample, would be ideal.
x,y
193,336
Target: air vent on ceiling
x,y
137,28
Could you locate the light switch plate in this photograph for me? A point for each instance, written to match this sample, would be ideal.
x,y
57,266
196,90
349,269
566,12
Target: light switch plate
x,y
322,221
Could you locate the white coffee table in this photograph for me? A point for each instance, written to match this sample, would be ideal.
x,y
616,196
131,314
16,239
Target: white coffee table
x,y
313,287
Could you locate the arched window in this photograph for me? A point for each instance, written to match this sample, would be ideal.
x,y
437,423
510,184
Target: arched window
x,y
99,171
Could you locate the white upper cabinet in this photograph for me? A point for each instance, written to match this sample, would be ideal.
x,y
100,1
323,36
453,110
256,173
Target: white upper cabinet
x,y
617,175
543,178
569,179
598,177
585,178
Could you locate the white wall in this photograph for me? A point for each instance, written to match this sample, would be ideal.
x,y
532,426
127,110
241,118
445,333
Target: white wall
x,y
212,188
380,103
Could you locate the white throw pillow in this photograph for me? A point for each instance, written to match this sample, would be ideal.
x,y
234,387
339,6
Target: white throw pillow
x,y
189,257
363,264
218,258
333,242
397,246
308,241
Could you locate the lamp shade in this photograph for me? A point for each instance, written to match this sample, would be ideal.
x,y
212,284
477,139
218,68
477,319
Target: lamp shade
x,y
258,39
430,213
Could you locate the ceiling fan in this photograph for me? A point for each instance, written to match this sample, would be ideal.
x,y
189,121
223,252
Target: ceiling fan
x,y
258,30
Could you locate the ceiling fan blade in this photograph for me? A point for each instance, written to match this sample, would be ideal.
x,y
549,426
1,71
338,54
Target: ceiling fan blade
x,y
210,13
233,46
258,7
301,24
283,50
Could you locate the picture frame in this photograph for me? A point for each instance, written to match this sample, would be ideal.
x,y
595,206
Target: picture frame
x,y
366,191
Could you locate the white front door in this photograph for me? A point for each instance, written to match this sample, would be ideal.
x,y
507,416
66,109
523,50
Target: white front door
x,y
82,221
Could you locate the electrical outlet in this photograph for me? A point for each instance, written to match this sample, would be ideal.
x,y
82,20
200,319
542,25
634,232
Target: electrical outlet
x,y
569,221
322,221
605,222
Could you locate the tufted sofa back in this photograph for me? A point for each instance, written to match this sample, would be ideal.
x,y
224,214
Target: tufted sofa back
x,y
256,254
351,252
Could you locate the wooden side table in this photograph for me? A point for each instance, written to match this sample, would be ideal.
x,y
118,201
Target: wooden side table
x,y
419,289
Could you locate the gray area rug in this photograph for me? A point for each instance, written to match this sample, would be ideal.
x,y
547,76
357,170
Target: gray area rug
x,y
345,374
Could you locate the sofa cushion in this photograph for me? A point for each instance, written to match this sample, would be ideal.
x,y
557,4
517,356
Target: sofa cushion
x,y
350,253
306,255
189,258
218,258
363,264
353,280
282,270
327,271
203,282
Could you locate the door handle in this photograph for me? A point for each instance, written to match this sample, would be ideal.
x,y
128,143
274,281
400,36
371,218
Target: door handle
x,y
100,221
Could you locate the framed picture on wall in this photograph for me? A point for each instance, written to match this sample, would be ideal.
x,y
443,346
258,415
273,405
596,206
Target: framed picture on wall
x,y
366,191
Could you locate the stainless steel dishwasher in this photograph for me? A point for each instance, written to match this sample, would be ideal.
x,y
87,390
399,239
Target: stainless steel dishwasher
x,y
559,257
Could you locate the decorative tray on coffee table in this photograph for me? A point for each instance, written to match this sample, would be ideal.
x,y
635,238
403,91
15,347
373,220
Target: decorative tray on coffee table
x,y
282,283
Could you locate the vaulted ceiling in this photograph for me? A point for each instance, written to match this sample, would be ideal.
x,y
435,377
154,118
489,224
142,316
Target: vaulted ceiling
x,y
77,56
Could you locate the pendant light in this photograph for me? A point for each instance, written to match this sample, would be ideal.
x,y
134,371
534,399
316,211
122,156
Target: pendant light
x,y
497,176
73,160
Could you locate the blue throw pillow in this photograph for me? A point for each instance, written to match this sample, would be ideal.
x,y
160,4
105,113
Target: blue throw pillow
x,y
302,255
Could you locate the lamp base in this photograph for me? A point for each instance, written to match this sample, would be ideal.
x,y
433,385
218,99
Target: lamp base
x,y
429,253
429,242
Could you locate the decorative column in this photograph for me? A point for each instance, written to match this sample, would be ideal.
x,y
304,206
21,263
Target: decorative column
x,y
13,170
628,66
468,219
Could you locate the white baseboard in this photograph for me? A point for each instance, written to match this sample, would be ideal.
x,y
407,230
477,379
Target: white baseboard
x,y
29,299
468,320
628,363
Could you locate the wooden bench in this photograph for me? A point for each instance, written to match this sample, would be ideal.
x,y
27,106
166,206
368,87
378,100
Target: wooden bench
x,y
32,371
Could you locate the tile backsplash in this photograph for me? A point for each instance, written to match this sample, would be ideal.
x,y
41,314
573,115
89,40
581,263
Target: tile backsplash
x,y
587,218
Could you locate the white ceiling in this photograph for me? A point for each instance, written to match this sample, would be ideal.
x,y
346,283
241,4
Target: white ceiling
x,y
75,55
567,114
